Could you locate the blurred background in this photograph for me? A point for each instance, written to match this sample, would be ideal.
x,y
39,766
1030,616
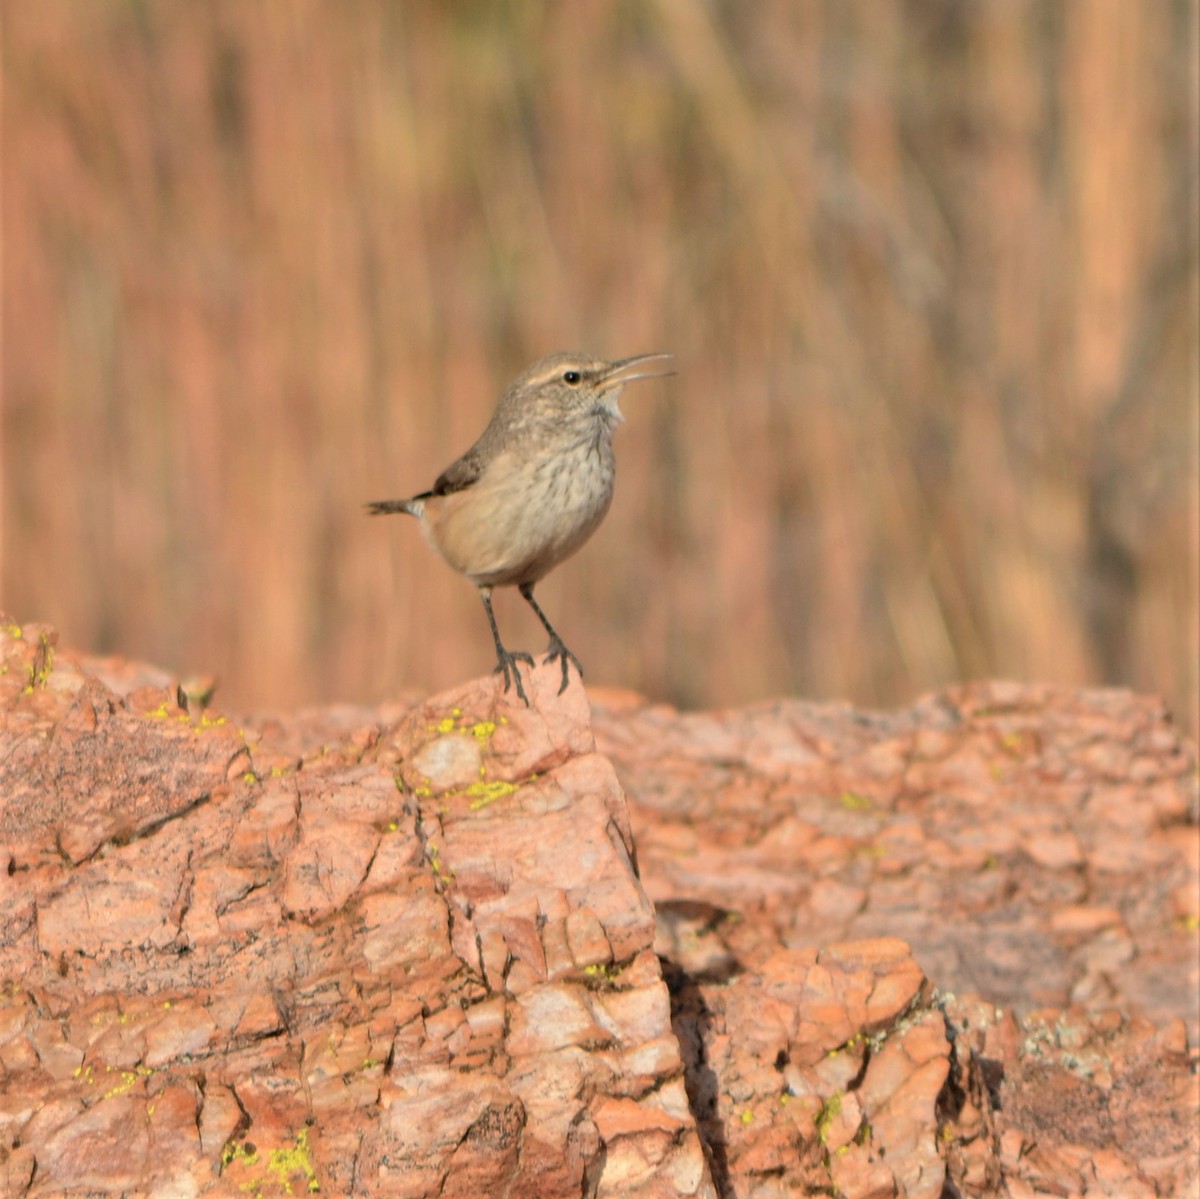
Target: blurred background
x,y
929,268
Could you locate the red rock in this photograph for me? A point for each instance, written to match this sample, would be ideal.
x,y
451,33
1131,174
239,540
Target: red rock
x,y
310,918
105,1146
280,967
858,1175
184,1031
1054,850
1084,918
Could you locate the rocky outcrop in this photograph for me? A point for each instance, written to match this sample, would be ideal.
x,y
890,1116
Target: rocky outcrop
x,y
433,950
1033,845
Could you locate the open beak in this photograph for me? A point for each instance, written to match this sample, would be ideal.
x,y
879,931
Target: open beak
x,y
627,370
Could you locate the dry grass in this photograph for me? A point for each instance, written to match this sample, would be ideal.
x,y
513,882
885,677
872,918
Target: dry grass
x,y
930,269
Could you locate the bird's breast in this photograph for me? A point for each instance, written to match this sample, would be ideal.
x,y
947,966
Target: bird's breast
x,y
533,507
577,477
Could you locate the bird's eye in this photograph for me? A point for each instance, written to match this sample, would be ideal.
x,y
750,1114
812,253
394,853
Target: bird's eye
x,y
572,377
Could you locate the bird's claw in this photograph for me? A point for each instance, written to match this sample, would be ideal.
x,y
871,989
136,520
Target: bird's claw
x,y
507,665
559,650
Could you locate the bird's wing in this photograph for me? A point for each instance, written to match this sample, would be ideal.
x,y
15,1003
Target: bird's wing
x,y
460,474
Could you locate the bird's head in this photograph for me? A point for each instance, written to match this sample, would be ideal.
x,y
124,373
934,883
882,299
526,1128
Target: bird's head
x,y
570,385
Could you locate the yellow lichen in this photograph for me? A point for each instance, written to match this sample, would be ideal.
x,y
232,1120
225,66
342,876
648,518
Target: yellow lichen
x,y
42,664
295,1159
442,873
853,801
239,1151
484,792
128,1079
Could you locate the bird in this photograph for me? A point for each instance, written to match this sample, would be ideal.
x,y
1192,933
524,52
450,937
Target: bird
x,y
533,488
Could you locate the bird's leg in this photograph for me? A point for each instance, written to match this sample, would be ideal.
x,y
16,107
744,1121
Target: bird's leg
x,y
557,648
506,661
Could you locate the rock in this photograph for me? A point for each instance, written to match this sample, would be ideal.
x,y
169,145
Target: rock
x,y
991,816
412,951
1005,834
349,959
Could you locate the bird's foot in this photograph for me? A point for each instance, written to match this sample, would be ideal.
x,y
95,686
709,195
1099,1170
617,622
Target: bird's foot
x,y
507,665
559,650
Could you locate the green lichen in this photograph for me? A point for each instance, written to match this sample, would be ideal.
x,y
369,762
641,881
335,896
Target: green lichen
x,y
830,1110
199,692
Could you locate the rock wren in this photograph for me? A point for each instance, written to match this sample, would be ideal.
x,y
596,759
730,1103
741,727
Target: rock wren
x,y
533,488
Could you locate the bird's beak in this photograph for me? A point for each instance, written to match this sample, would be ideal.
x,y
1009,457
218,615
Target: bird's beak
x,y
627,370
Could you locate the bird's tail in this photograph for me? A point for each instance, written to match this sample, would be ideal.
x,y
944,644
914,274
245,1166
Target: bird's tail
x,y
384,507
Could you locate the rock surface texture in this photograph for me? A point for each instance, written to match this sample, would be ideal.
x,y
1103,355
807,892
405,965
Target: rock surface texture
x,y
457,947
